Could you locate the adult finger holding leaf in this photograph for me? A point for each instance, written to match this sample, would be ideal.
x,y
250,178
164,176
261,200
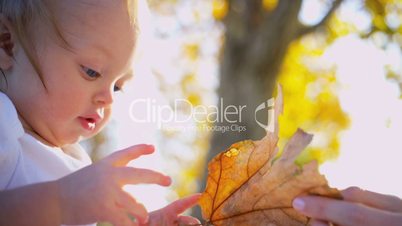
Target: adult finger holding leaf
x,y
358,207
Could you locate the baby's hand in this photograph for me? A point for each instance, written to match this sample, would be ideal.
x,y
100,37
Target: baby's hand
x,y
169,215
95,192
359,207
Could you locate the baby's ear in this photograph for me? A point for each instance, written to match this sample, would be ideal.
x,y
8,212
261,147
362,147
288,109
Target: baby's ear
x,y
7,41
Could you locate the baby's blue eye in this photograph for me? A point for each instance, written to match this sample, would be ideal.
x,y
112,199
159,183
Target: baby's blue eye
x,y
91,73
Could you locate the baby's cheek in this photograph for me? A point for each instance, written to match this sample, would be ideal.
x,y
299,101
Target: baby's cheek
x,y
107,114
106,118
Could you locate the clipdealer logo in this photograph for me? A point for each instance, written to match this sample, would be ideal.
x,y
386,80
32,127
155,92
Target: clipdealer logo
x,y
172,117
266,106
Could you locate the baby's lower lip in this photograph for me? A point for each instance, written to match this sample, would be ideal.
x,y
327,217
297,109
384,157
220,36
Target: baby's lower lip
x,y
86,124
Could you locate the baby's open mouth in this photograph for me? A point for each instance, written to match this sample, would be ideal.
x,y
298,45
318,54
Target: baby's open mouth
x,y
91,123
88,123
90,120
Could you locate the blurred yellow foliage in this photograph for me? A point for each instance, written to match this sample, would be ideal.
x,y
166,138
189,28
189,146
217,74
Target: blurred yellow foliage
x,y
189,86
269,5
310,102
192,51
219,9
338,28
379,22
194,99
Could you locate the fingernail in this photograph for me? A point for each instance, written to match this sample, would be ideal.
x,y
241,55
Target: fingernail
x,y
299,204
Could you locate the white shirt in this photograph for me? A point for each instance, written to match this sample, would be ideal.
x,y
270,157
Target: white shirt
x,y
25,160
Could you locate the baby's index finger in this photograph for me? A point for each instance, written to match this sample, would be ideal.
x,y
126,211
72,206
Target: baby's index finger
x,y
181,205
129,175
123,157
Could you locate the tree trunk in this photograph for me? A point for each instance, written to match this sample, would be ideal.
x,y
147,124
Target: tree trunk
x,y
252,57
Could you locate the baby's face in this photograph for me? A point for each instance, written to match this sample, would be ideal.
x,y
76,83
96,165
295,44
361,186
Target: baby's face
x,y
81,83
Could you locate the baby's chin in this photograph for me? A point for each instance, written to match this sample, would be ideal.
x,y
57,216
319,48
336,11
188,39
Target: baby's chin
x,y
74,138
87,136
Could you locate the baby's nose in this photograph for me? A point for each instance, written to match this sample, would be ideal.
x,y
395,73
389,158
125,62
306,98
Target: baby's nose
x,y
104,98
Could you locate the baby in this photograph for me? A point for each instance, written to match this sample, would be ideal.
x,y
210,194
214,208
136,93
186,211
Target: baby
x,y
61,63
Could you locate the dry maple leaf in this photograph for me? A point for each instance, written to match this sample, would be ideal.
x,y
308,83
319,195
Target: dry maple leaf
x,y
249,185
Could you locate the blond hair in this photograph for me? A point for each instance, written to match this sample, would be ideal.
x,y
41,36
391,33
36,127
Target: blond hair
x,y
23,13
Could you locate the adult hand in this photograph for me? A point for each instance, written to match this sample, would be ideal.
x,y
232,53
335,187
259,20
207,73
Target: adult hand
x,y
359,207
